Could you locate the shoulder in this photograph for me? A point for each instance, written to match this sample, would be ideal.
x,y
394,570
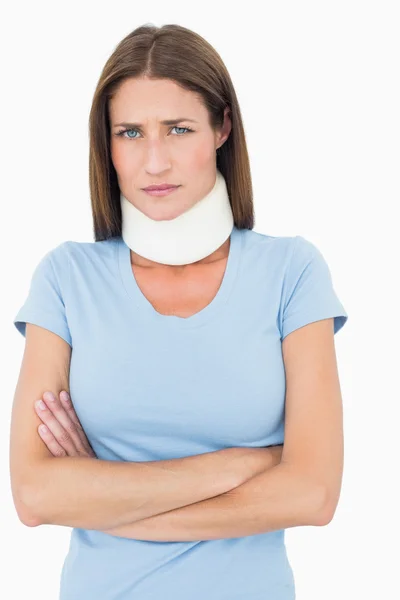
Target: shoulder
x,y
78,259
288,261
282,249
294,247
75,253
100,248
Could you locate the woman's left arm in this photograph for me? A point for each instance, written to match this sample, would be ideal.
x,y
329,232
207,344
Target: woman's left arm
x,y
304,488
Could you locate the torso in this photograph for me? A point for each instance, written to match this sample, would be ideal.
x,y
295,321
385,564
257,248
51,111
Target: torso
x,y
181,295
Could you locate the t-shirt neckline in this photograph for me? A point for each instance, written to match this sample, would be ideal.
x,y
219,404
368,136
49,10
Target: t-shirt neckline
x,y
147,310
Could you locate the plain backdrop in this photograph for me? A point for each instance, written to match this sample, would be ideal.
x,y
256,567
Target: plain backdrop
x,y
318,86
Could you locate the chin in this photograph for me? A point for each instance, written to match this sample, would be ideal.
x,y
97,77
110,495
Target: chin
x,y
164,214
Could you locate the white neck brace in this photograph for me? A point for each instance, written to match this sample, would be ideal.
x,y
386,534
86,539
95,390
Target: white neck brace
x,y
190,237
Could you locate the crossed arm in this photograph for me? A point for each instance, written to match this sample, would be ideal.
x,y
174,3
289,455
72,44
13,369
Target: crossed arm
x,y
303,489
272,494
278,498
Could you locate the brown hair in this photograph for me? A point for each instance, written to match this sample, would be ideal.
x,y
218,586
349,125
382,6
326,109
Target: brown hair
x,y
179,54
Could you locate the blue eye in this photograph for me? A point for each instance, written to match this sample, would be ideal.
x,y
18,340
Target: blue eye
x,y
127,131
123,131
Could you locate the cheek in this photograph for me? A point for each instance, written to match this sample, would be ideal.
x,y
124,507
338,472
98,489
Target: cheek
x,y
200,156
119,158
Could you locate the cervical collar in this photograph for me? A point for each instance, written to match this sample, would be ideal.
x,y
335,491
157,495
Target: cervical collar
x,y
190,237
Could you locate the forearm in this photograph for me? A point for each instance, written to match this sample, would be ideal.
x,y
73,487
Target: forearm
x,y
98,494
276,499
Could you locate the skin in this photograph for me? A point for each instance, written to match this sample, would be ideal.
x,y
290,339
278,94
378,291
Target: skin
x,y
149,154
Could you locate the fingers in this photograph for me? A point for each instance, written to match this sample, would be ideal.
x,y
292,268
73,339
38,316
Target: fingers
x,y
70,412
51,442
57,431
69,409
65,431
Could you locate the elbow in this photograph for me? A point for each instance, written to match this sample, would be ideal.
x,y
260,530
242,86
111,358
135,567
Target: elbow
x,y
26,507
30,522
316,503
324,510
30,492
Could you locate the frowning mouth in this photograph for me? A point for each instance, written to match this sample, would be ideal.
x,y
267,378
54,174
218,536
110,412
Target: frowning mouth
x,y
160,191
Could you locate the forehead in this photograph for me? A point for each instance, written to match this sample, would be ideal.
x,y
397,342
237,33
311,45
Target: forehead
x,y
163,98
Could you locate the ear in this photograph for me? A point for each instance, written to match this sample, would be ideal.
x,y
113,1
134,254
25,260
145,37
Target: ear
x,y
225,129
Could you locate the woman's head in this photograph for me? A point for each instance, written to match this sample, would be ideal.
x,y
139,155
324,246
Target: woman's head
x,y
158,74
145,151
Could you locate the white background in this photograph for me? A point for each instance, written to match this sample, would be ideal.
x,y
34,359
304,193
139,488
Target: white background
x,y
318,86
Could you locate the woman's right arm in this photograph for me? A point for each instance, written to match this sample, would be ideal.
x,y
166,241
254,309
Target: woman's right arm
x,y
99,494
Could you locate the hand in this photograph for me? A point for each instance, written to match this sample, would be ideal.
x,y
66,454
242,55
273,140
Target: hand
x,y
65,435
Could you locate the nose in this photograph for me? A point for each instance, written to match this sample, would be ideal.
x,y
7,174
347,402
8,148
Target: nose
x,y
156,157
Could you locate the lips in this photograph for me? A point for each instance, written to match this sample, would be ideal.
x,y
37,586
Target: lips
x,y
159,187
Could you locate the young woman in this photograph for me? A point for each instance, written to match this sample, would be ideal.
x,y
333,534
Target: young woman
x,y
185,363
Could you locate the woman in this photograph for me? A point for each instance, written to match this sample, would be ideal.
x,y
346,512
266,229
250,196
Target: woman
x,y
199,346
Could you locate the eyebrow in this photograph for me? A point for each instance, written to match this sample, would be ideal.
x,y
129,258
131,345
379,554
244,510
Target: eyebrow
x,y
166,122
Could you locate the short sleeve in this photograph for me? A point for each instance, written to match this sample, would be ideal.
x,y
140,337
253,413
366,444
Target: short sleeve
x,y
45,303
309,294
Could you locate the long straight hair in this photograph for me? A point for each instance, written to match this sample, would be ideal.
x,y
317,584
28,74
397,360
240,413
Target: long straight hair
x,y
176,53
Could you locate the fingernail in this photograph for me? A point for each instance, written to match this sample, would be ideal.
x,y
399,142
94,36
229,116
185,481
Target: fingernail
x,y
64,397
49,396
43,428
40,404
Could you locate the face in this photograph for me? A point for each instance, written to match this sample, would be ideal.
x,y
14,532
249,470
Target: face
x,y
145,151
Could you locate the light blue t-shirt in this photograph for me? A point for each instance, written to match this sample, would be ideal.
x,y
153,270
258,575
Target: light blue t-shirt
x,y
149,387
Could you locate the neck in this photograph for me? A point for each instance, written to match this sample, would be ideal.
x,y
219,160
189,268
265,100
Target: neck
x,y
220,253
